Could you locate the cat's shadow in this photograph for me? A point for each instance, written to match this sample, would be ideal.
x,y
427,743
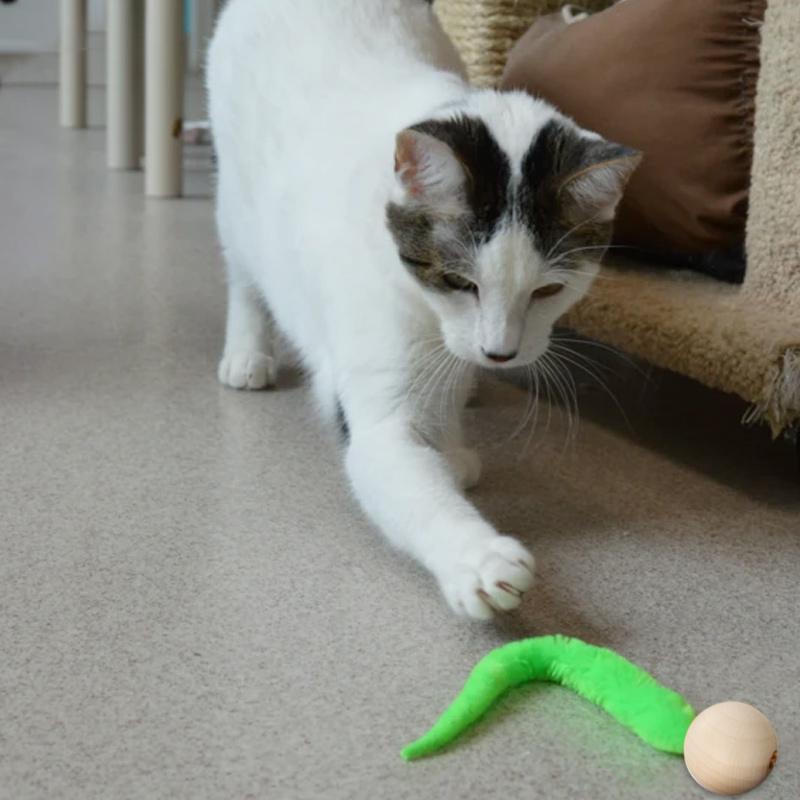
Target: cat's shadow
x,y
290,377
544,612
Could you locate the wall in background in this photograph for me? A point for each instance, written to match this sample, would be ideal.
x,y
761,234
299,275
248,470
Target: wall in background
x,y
31,26
97,15
28,26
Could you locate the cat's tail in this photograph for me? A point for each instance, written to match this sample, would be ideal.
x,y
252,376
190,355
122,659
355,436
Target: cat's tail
x,y
658,715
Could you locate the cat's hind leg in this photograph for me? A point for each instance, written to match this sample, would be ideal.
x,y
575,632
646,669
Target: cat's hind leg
x,y
249,359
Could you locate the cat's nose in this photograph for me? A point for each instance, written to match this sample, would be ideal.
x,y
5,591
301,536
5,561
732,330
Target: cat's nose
x,y
501,358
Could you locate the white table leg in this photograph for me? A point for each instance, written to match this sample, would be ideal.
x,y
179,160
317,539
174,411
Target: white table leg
x,y
124,95
73,64
164,69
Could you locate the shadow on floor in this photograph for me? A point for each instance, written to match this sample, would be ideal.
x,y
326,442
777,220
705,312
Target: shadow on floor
x,y
688,423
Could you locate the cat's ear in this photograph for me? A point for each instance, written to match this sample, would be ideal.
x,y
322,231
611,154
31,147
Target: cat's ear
x,y
594,190
426,167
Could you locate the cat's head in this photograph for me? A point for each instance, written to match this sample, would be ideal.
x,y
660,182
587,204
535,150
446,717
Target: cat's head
x,y
502,213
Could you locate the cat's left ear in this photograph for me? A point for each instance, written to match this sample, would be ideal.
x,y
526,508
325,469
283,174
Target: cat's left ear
x,y
426,167
595,188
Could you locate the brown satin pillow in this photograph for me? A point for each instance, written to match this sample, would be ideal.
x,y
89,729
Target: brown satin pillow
x,y
675,79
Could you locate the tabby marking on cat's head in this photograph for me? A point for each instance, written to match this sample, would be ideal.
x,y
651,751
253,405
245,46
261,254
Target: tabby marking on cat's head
x,y
502,215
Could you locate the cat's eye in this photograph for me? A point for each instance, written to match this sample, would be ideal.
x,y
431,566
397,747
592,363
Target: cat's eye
x,y
550,290
459,284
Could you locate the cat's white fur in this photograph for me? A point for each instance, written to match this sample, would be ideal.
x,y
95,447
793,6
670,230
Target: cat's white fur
x,y
306,101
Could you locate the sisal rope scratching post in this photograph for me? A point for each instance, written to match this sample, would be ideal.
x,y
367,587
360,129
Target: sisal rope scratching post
x,y
484,31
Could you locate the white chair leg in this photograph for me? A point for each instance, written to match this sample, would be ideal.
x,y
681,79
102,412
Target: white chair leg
x,y
72,78
124,95
199,14
164,69
202,14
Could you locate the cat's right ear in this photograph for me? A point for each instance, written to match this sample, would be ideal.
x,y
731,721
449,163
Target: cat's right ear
x,y
426,167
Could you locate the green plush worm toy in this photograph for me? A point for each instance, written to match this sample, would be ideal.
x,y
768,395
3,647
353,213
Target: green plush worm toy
x,y
658,715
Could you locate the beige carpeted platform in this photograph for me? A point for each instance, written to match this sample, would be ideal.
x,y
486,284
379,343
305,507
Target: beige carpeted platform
x,y
744,340
191,606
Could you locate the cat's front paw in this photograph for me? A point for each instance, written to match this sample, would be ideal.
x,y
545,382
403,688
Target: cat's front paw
x,y
490,576
247,370
466,466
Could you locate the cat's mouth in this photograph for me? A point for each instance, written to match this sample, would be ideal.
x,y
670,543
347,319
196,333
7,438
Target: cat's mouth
x,y
500,363
500,359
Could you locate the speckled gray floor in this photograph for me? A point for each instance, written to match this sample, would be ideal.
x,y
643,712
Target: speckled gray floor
x,y
191,606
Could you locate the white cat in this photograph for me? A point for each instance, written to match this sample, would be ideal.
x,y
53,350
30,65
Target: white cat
x,y
401,229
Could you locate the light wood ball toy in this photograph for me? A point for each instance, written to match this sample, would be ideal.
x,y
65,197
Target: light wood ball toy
x,y
730,748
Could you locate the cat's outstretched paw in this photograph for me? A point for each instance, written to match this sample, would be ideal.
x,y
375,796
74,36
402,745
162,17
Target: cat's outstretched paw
x,y
247,370
489,577
466,466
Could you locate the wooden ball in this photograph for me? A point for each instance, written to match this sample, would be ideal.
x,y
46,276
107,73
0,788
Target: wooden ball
x,y
730,748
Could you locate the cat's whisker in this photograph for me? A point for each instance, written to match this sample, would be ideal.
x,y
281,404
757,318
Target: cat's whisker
x,y
569,233
593,364
526,414
604,347
446,386
558,349
567,273
430,370
591,248
536,397
459,376
547,370
569,405
426,394
588,365
568,399
603,385
426,350
569,265
445,403
424,358
536,389
572,390
425,375
568,392
535,375
547,377
418,369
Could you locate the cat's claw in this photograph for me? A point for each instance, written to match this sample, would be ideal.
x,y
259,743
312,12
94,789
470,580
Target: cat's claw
x,y
247,370
490,577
